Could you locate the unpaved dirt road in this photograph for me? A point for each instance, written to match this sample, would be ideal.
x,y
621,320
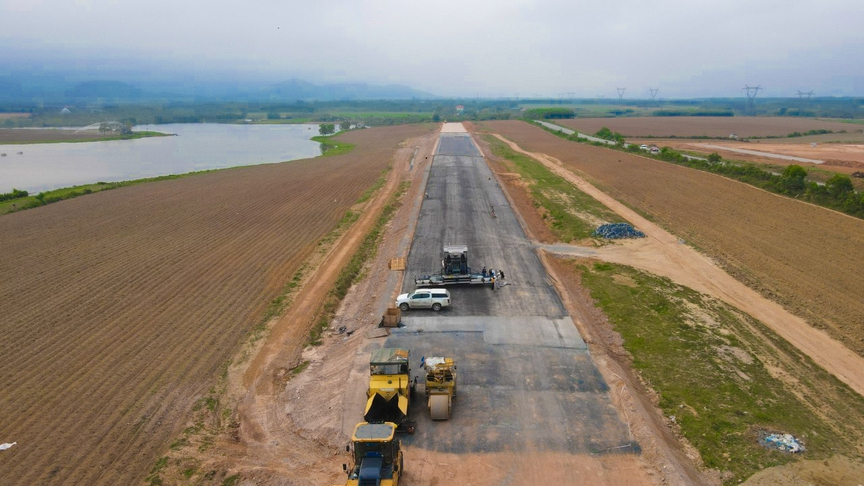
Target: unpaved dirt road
x,y
662,254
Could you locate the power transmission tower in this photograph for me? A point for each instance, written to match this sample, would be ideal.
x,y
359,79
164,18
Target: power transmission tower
x,y
808,94
621,93
654,92
570,95
752,91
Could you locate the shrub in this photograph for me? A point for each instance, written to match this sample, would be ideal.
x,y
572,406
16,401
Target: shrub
x,y
15,194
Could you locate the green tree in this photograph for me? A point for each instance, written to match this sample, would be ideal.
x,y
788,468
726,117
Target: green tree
x,y
345,125
839,185
273,116
793,177
326,128
714,157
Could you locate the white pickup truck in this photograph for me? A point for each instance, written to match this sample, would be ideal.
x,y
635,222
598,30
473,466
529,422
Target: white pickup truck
x,y
433,299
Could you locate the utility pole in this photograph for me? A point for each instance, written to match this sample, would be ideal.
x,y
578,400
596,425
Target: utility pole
x,y
621,93
752,91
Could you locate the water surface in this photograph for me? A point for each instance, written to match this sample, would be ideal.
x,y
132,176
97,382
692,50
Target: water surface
x,y
197,146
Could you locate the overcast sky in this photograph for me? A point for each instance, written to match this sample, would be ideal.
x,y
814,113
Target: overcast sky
x,y
687,48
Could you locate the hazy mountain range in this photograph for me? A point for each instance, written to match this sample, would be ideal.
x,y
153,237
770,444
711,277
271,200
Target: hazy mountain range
x,y
59,89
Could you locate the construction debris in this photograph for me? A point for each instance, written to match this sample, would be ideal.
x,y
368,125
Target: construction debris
x,y
615,231
783,442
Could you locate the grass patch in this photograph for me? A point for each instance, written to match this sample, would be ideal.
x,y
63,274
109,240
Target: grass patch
x,y
714,370
331,147
570,214
155,478
231,480
367,194
299,368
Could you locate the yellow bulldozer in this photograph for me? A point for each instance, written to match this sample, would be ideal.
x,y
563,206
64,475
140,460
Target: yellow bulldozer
x,y
440,386
377,457
390,388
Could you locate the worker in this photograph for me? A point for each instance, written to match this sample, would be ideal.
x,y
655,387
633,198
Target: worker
x,y
484,270
501,274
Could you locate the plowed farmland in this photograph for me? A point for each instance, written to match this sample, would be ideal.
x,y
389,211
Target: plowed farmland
x,y
706,126
798,254
119,308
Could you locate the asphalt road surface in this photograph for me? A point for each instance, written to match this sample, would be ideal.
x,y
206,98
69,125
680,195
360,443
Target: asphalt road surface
x,y
525,378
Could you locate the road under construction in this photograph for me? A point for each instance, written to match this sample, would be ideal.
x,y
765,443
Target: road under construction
x,y
526,379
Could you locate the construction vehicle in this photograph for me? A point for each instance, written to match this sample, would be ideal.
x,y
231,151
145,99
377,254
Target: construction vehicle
x,y
390,388
455,270
377,458
440,386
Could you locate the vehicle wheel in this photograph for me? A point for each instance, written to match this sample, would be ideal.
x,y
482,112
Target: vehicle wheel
x,y
403,306
436,307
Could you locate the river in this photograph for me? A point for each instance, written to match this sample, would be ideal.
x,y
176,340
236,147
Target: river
x,y
197,146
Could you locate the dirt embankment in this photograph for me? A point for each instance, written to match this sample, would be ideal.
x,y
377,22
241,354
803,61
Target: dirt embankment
x,y
707,126
120,307
795,253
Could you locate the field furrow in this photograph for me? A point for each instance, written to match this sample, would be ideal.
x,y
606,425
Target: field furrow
x,y
119,307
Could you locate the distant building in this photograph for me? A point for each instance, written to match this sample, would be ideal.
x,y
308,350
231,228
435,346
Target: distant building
x,y
65,111
459,109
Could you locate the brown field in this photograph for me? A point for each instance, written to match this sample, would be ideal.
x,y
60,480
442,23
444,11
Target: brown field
x,y
4,116
707,126
13,135
119,308
797,254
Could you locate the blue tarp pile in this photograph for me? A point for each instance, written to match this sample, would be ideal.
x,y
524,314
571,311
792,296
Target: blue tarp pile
x,y
617,231
783,442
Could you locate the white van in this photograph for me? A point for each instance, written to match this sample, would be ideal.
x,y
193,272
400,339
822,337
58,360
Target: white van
x,y
433,299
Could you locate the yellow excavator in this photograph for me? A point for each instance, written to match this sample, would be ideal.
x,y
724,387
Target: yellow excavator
x,y
390,388
377,458
440,386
